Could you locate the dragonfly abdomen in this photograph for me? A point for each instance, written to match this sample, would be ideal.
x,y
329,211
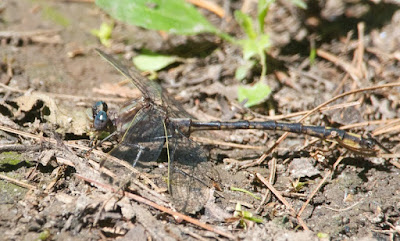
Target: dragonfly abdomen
x,y
318,131
345,138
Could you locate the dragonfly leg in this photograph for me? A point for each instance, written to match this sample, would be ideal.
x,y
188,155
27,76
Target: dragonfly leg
x,y
141,148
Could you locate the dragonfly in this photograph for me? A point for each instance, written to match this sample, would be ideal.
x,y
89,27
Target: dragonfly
x,y
148,123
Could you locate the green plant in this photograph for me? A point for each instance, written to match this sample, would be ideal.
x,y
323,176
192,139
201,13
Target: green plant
x,y
180,17
244,216
149,61
245,191
104,33
253,95
257,42
174,16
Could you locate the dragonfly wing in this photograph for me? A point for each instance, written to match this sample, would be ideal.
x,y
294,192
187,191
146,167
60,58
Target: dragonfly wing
x,y
175,109
149,89
191,174
144,138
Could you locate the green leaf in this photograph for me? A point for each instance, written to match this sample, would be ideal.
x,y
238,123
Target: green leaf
x,y
297,185
245,214
245,23
300,4
242,71
262,10
321,235
313,55
104,33
245,191
251,47
153,61
44,235
249,216
255,94
174,16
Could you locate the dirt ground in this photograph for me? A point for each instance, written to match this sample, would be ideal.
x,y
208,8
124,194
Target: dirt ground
x,y
52,188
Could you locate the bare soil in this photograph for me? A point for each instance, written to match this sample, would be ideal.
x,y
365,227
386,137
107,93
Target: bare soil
x,y
52,189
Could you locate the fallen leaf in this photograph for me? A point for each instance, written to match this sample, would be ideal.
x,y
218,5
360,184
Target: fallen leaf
x,y
65,119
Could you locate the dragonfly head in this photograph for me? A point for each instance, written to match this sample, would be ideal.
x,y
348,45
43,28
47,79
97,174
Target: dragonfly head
x,y
99,106
100,118
101,121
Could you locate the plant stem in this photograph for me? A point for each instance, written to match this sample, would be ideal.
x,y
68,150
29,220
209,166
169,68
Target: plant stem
x,y
226,37
263,65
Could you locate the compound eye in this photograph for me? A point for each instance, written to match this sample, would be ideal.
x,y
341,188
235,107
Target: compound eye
x,y
97,107
370,143
100,120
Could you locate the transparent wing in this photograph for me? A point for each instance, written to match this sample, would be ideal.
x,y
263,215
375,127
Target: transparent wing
x,y
144,139
173,108
149,89
191,175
